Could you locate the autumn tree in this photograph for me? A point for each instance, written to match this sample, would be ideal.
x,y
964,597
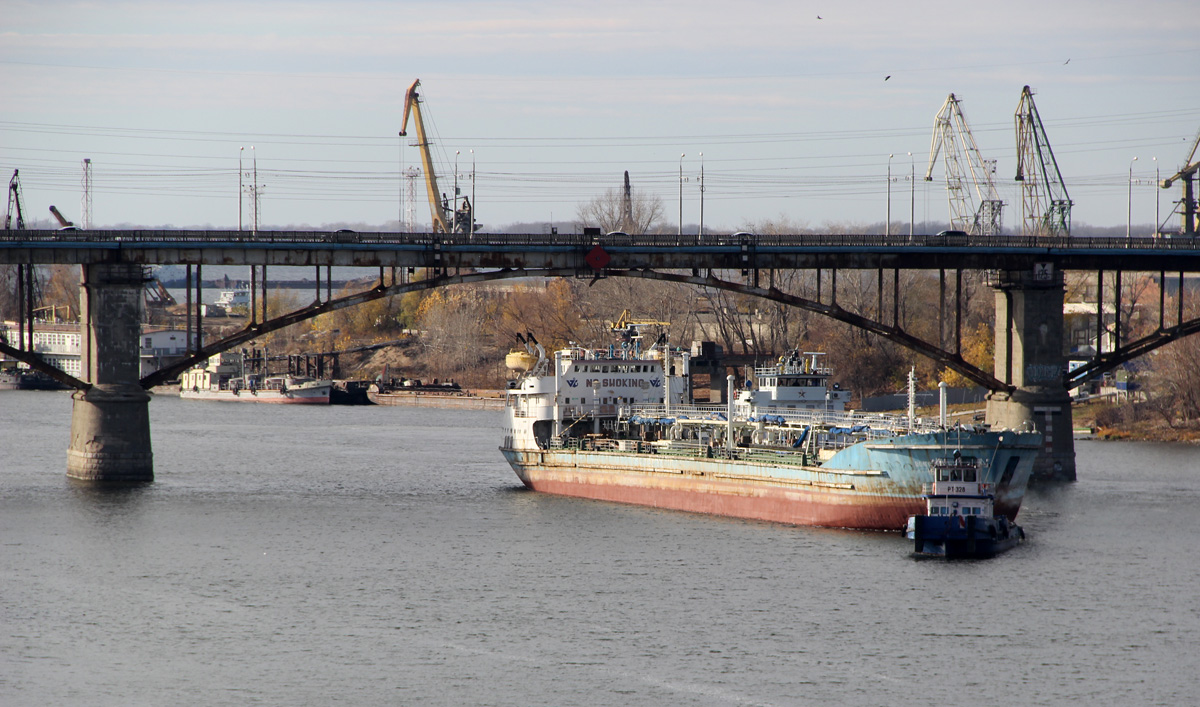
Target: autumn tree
x,y
57,287
978,349
454,325
60,289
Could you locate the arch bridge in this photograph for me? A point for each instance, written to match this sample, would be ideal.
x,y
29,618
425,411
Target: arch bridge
x,y
110,428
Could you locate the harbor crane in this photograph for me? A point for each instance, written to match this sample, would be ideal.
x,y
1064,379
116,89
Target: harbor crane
x,y
14,203
443,220
1045,204
1186,175
952,136
630,328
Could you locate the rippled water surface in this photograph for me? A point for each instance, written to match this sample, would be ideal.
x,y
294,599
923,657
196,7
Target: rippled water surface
x,y
386,555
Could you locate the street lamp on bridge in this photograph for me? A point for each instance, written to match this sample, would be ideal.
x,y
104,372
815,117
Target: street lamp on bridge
x,y
1157,181
1129,200
681,156
887,225
912,194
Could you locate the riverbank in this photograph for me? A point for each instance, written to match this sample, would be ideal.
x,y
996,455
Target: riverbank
x,y
1138,422
1151,431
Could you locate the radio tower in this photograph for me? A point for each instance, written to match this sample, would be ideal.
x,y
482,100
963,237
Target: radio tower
x,y
410,196
86,205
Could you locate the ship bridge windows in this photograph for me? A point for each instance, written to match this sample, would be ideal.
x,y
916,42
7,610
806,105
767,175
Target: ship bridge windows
x,y
963,469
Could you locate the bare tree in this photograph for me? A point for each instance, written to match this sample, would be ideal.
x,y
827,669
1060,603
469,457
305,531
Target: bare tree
x,y
641,213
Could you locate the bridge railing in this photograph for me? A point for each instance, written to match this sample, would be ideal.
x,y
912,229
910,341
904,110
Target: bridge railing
x,y
740,241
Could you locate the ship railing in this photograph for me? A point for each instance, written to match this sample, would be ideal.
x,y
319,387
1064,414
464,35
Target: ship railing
x,y
792,370
870,425
690,411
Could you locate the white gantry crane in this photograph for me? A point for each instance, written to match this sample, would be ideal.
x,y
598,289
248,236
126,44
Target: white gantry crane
x,y
952,137
1045,204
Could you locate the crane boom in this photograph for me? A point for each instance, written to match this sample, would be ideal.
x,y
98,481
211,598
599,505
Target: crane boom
x,y
1187,174
61,219
1045,203
1189,167
952,135
412,104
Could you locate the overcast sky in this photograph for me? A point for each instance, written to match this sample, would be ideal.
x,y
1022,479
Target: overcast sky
x,y
788,102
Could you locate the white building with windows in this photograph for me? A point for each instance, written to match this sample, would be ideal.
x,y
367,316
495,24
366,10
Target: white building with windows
x,y
61,345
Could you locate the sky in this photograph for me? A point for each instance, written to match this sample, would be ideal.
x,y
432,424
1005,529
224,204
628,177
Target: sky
x,y
538,107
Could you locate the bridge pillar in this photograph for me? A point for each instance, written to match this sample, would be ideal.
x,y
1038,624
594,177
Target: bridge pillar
x,y
1030,356
110,422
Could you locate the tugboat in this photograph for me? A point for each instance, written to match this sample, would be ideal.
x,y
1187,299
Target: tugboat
x,y
959,520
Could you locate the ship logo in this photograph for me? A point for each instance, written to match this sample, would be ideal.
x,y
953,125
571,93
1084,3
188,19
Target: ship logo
x,y
572,382
655,382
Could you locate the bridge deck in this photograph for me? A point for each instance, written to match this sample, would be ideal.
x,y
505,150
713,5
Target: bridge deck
x,y
622,251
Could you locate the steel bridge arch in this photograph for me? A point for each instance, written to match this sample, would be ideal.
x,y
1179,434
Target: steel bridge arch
x,y
891,333
1108,361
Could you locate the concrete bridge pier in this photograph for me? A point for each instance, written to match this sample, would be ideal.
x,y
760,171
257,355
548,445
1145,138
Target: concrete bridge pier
x,y
110,422
1030,356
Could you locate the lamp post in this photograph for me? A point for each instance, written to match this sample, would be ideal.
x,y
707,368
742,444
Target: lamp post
x,y
241,189
1157,181
1129,200
701,233
681,156
887,225
912,194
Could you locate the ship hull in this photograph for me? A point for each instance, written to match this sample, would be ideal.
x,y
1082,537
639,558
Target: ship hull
x,y
867,486
315,396
962,538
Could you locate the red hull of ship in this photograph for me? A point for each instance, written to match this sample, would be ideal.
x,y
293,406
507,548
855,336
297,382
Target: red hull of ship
x,y
819,507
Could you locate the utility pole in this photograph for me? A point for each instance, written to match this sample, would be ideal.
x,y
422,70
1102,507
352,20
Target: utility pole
x,y
86,206
257,190
471,215
410,177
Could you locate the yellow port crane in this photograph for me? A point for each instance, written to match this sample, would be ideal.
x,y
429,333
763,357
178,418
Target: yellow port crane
x,y
629,326
443,222
1187,205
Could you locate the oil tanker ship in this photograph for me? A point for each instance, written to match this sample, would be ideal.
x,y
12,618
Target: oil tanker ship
x,y
618,424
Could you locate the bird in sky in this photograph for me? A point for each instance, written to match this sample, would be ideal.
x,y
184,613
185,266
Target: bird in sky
x,y
819,17
885,78
1068,61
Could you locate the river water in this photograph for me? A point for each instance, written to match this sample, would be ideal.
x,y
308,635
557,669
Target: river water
x,y
388,555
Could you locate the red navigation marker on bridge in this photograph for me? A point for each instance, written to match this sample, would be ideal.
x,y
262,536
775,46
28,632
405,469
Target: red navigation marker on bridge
x,y
597,258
